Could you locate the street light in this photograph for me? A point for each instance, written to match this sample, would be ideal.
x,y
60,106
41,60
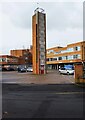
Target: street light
x,y
26,58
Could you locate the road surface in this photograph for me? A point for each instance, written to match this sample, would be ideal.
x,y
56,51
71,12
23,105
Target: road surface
x,y
43,101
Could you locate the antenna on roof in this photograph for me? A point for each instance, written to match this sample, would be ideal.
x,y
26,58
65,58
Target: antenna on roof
x,y
38,9
37,5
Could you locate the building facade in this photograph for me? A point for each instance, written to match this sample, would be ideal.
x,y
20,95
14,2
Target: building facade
x,y
8,61
55,57
19,52
24,56
39,42
16,57
60,56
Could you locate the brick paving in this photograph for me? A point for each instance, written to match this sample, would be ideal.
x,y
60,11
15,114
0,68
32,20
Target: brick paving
x,y
52,77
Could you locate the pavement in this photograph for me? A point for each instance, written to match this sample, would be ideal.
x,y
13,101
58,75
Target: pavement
x,y
52,77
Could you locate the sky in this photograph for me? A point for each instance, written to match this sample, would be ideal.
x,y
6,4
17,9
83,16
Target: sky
x,y
64,24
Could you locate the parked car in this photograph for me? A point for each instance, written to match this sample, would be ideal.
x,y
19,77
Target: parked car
x,y
66,71
29,69
4,69
10,69
21,69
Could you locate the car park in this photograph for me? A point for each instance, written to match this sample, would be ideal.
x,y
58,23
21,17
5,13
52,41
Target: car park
x,y
66,71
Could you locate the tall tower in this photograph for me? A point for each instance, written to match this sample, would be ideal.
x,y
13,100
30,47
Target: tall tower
x,y
39,41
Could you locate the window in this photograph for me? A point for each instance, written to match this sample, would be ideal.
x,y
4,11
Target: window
x,y
42,42
62,68
78,56
63,51
42,39
42,49
60,58
42,53
47,59
74,56
8,60
51,51
54,59
57,52
64,58
42,46
3,59
50,59
77,48
42,56
70,57
70,50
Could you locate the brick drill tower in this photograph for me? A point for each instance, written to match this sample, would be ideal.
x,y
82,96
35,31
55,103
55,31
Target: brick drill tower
x,y
39,41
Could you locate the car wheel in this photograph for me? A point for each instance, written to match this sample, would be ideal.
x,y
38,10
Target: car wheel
x,y
67,73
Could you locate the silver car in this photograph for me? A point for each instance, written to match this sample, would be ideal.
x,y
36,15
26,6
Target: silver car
x,y
29,69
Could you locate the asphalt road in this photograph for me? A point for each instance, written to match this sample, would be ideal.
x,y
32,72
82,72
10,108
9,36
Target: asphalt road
x,y
64,101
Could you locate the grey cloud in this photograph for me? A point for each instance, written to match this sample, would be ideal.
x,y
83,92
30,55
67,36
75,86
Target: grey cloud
x,y
66,15
22,21
19,13
60,15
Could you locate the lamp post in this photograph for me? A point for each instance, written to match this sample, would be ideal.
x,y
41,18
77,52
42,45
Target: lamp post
x,y
26,58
